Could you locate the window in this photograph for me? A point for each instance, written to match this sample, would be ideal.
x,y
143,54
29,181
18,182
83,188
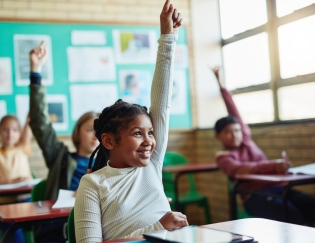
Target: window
x,y
268,49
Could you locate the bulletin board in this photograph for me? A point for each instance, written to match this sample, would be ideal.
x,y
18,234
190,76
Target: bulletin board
x,y
89,67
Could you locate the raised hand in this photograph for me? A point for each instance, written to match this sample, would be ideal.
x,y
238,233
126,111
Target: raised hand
x,y
170,19
38,57
216,72
173,220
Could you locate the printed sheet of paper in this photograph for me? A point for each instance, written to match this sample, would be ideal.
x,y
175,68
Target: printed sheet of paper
x,y
92,97
179,100
3,108
5,76
65,199
23,44
91,64
33,182
88,37
135,46
57,110
135,86
181,56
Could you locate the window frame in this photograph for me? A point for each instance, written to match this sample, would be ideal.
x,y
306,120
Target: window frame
x,y
271,28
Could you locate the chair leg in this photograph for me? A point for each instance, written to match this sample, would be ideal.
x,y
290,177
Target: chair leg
x,y
205,205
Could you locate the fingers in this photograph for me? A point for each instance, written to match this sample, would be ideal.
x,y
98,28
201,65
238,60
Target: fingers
x,y
166,6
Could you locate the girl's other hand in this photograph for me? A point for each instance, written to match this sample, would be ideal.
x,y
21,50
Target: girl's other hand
x,y
173,220
38,57
170,19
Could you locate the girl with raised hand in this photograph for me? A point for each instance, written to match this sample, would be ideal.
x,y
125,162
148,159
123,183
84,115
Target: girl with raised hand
x,y
65,168
124,196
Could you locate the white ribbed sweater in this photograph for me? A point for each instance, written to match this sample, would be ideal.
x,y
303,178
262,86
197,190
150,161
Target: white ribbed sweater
x,y
115,203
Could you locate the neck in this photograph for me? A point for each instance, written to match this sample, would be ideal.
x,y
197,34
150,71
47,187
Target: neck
x,y
6,146
83,153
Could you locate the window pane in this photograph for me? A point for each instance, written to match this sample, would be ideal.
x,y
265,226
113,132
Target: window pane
x,y
285,7
255,107
297,101
297,47
246,62
240,15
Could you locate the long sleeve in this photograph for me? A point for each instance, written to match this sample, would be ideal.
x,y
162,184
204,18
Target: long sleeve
x,y
87,213
232,166
233,111
41,126
161,94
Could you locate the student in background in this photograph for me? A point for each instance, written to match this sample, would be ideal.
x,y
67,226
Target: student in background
x,y
65,168
14,166
240,155
124,197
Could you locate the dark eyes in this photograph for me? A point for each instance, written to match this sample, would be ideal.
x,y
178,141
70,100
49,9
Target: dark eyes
x,y
139,133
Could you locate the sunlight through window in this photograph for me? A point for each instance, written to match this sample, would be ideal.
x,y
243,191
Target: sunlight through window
x,y
285,7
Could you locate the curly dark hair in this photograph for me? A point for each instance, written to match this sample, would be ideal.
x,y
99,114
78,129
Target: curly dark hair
x,y
113,119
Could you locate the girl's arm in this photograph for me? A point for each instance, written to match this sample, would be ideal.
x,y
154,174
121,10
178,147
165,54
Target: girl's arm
x,y
161,91
39,120
26,136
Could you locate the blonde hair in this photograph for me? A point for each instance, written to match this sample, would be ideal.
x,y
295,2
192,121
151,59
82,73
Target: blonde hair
x,y
76,131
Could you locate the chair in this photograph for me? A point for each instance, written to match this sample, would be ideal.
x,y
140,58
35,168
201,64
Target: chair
x,y
189,197
241,212
71,228
38,192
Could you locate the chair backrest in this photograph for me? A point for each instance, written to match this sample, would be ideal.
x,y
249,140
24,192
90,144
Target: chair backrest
x,y
71,228
38,192
170,159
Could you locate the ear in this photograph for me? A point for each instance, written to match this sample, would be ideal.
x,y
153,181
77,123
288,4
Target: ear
x,y
108,141
217,136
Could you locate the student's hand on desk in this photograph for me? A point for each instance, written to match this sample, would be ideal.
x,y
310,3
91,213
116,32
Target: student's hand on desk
x,y
173,220
170,19
38,57
282,166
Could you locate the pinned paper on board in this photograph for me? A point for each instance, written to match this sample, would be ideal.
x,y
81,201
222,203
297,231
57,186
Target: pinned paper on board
x,y
181,56
91,64
135,46
92,97
179,101
23,44
5,76
3,108
88,37
57,110
135,86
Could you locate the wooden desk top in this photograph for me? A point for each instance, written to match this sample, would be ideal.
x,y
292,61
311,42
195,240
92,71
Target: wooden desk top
x,y
31,211
268,231
275,178
263,230
16,191
191,168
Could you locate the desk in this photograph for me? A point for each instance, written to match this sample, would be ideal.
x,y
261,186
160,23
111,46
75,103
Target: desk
x,y
180,170
30,214
263,231
15,191
291,180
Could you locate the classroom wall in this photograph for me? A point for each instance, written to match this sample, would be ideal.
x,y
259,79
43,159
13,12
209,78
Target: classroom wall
x,y
130,11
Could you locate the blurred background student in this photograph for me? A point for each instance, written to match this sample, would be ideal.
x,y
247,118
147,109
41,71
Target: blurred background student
x,y
65,168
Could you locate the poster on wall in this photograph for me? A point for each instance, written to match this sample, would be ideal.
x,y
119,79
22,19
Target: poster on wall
x,y
135,86
3,108
135,47
88,37
179,101
5,76
23,44
181,56
92,97
57,110
91,64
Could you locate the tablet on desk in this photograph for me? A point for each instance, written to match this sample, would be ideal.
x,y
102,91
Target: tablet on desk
x,y
196,234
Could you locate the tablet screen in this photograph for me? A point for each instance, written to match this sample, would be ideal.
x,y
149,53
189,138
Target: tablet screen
x,y
195,234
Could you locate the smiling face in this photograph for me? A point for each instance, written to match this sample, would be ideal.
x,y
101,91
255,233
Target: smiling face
x,y
134,146
231,136
10,133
